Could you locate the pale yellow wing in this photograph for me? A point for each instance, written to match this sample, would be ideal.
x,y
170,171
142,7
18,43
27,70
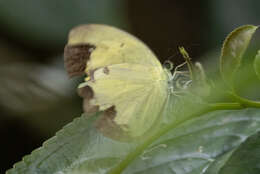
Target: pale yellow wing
x,y
137,92
125,79
111,46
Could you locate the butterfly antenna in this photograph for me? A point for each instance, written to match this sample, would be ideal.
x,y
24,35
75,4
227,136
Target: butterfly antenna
x,y
187,59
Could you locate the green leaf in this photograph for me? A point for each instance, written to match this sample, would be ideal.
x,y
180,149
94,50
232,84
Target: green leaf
x,y
196,146
77,148
215,167
257,64
233,50
246,159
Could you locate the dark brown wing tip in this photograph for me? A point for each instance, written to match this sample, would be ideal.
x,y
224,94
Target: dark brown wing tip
x,y
76,57
87,94
107,126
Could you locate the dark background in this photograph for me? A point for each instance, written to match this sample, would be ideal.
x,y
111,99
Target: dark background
x,y
36,96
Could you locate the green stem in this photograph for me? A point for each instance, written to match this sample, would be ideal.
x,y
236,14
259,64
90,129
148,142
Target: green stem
x,y
139,149
245,102
225,106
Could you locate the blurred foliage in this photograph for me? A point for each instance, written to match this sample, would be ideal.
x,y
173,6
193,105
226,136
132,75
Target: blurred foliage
x,y
37,98
46,23
224,16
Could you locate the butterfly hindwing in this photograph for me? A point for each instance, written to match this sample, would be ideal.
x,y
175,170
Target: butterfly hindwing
x,y
136,92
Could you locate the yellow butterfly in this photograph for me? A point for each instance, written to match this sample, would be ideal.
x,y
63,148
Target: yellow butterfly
x,y
124,79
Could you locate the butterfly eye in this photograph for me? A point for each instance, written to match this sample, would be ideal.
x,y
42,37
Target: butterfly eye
x,y
168,65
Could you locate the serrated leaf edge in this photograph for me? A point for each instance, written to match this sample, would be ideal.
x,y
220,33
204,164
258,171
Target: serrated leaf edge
x,y
49,141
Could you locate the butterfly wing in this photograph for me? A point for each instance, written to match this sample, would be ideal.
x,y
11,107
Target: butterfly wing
x,y
101,45
125,79
136,92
